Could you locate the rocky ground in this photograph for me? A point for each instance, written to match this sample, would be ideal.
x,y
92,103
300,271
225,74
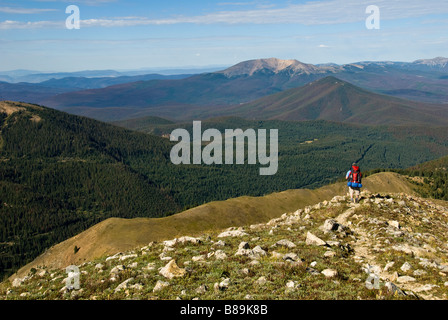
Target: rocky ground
x,y
388,246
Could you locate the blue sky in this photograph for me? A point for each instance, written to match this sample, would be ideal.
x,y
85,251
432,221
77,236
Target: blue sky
x,y
118,34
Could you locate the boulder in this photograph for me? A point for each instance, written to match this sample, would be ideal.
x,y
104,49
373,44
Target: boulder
x,y
284,243
330,273
172,270
232,233
394,223
406,267
123,285
393,289
160,285
201,289
329,225
311,239
405,279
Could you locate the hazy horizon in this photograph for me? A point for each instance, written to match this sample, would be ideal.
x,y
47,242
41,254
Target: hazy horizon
x,y
200,67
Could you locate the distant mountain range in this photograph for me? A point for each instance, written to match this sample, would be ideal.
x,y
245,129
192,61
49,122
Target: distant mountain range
x,y
32,76
327,98
336,100
181,97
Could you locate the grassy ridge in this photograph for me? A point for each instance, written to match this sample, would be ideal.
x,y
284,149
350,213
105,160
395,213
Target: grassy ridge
x,y
430,178
116,235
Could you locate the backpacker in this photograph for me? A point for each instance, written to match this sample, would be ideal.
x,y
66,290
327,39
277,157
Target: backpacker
x,y
354,179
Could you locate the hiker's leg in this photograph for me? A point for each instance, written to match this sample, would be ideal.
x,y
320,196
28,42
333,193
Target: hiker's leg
x,y
357,193
351,193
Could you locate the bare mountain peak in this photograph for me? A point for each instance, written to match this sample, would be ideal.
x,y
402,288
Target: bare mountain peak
x,y
436,62
271,64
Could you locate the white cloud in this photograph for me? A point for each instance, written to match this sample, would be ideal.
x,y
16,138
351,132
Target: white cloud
x,y
24,10
9,24
310,13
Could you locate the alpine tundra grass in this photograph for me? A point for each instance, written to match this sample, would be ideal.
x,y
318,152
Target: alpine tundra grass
x,y
326,251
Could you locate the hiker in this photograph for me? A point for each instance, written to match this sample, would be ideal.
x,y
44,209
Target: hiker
x,y
353,178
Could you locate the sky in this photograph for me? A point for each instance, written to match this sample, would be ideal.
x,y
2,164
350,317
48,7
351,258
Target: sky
x,y
124,35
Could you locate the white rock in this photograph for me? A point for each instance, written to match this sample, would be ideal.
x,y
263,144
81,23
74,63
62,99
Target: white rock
x,y
405,279
151,266
223,285
134,255
115,256
232,233
99,266
330,273
330,225
285,243
276,255
311,239
406,267
254,253
219,243
419,272
202,289
220,255
164,256
17,282
172,270
42,273
181,240
123,285
198,258
291,257
392,288
426,287
117,269
160,285
137,286
389,265
187,239
170,243
261,281
394,223
291,284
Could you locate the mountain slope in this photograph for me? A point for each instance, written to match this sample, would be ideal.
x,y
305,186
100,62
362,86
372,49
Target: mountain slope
x,y
324,251
115,235
336,100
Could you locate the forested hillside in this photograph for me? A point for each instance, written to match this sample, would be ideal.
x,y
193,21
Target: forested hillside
x,y
60,173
